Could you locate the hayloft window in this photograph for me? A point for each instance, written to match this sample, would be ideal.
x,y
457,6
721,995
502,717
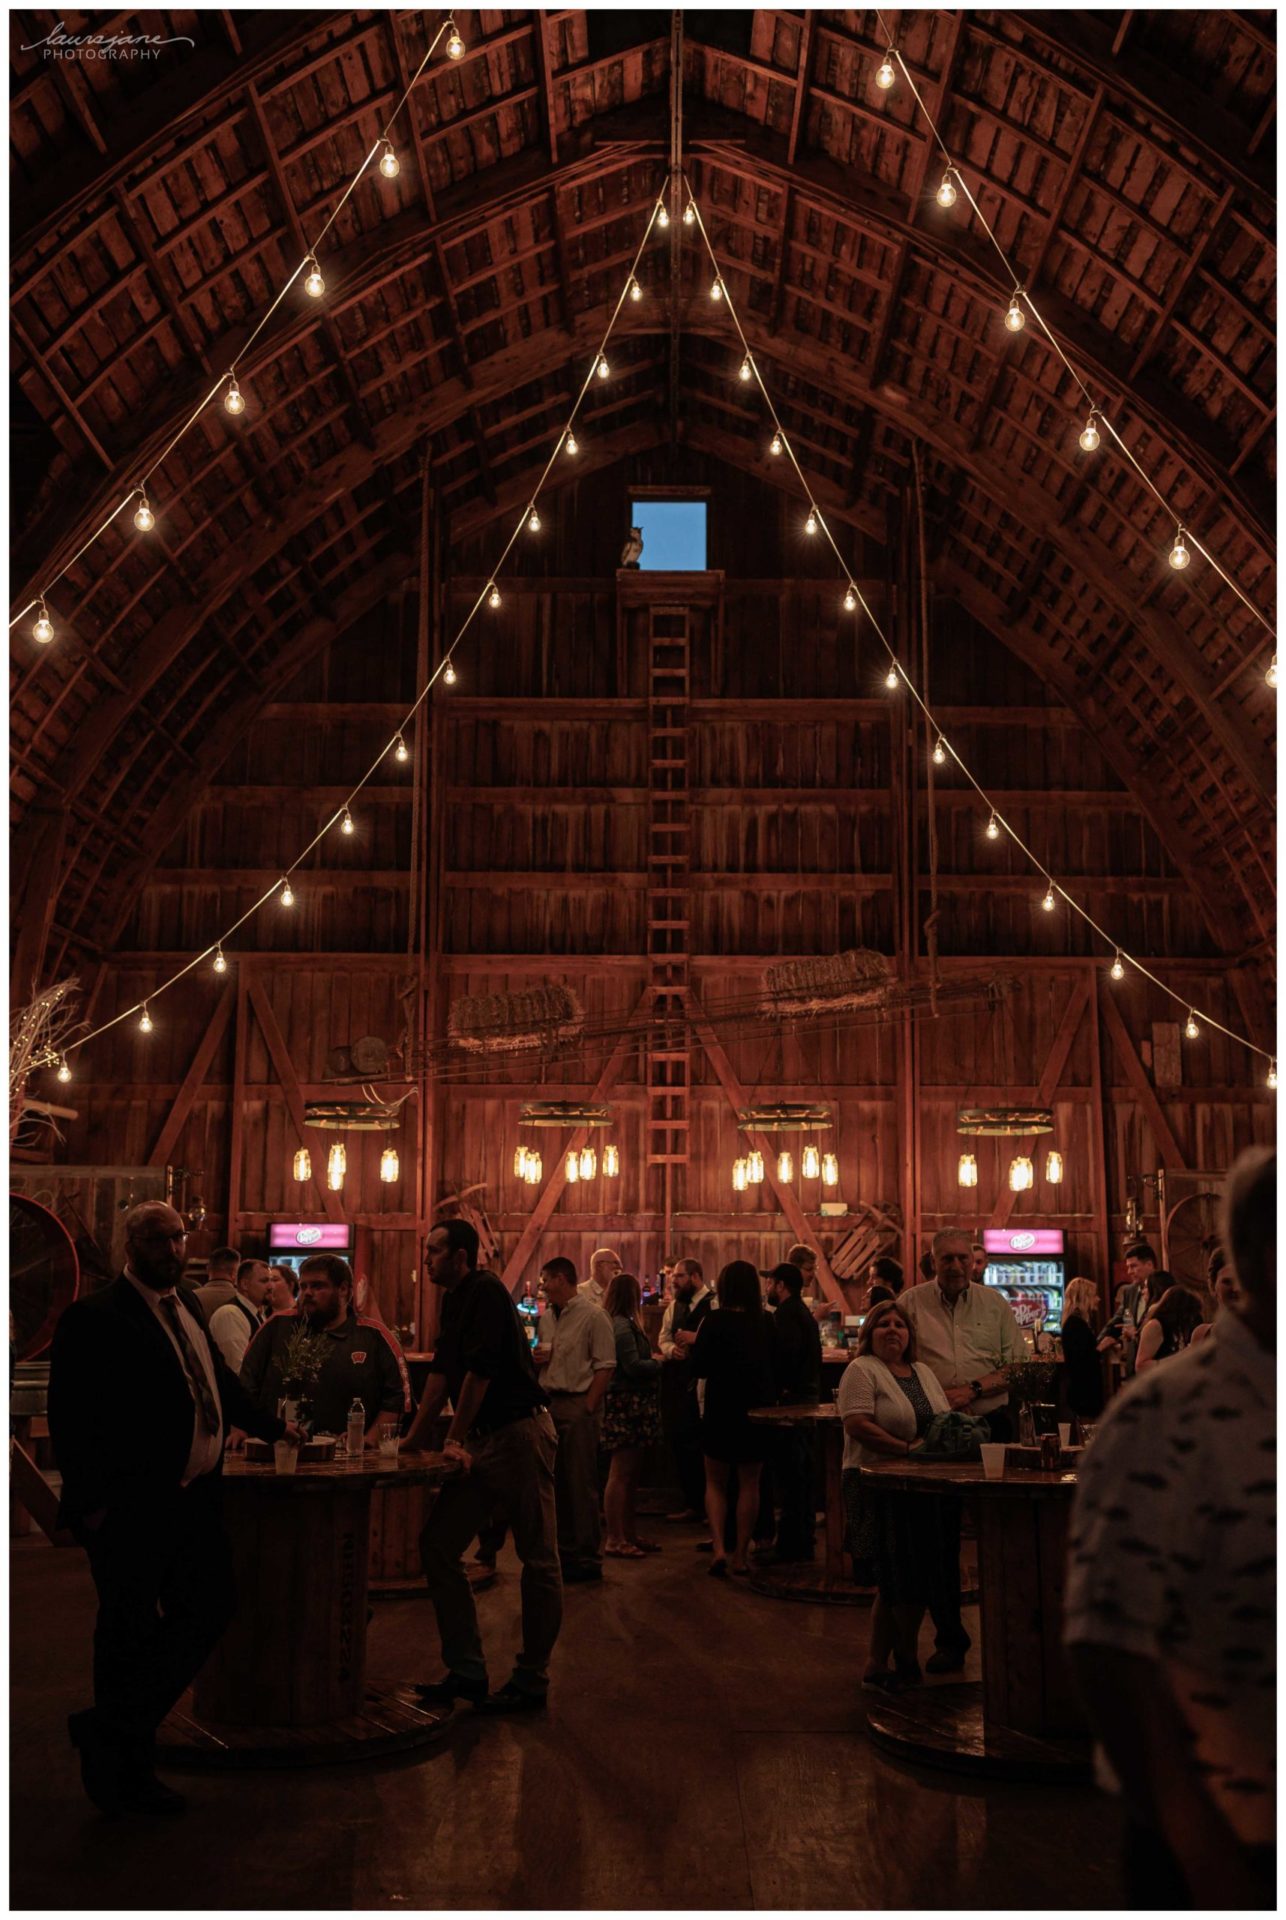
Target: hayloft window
x,y
674,534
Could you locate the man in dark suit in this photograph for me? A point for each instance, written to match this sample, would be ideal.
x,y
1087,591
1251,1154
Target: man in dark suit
x,y
140,1405
797,1371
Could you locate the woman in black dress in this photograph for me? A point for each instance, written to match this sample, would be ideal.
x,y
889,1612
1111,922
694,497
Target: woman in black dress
x,y
733,1358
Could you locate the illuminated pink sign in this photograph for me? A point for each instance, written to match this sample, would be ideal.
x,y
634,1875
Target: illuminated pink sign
x,y
314,1235
1022,1240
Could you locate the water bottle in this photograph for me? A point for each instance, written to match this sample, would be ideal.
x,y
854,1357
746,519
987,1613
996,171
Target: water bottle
x,y
356,1430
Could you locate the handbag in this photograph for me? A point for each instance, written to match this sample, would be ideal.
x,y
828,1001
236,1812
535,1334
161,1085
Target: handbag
x,y
953,1436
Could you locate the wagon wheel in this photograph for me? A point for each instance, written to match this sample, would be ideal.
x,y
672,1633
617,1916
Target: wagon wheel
x,y
44,1274
1191,1223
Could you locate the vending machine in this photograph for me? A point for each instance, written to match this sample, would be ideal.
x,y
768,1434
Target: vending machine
x,y
1026,1264
291,1241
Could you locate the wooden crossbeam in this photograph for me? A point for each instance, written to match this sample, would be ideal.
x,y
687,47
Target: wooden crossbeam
x,y
176,1119
285,1071
1172,1155
1046,1087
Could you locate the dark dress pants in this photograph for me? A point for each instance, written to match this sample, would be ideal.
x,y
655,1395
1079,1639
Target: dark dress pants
x,y
793,1468
944,1599
683,1426
163,1570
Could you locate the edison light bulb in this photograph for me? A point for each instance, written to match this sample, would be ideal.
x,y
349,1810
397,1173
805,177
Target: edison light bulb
x,y
603,368
939,753
232,400
1179,555
1015,318
303,1164
739,1176
572,1168
636,291
810,525
145,1021
1048,903
689,214
1117,968
389,162
663,217
314,285
449,674
993,828
830,1170
966,1171
400,749
493,598
1270,676
533,521
388,1165
64,1073
1270,1082
716,289
1089,435
947,192
588,1163
535,1170
850,601
785,1166
570,444
455,45
287,894
743,371
891,678
1020,1174
219,963
812,1163
1191,1030
774,445
43,631
885,74
520,1162
611,1162
336,1167
755,1168
346,824
144,518
1054,1168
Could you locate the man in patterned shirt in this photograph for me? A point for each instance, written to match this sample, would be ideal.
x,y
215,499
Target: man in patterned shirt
x,y
1170,1615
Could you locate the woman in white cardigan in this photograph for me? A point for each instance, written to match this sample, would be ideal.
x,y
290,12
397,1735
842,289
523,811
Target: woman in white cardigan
x,y
887,1400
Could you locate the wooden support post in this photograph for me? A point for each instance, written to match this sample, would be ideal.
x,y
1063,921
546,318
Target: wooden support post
x,y
1168,1149
1100,1188
176,1119
236,1131
1047,1086
283,1066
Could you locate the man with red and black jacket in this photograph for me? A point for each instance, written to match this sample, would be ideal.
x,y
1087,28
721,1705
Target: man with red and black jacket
x,y
362,1362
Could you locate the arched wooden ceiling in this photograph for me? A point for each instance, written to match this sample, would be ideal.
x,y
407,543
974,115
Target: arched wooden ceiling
x,y
158,207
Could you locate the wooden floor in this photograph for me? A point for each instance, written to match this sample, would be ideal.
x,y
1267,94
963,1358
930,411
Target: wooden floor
x,y
705,1748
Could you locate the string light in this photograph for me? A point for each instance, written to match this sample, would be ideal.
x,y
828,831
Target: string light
x,y
1049,903
1054,1167
810,525
884,73
993,828
400,750
603,368
449,673
346,824
570,442
145,1021
716,289
314,285
533,521
689,215
850,599
1015,318
891,679
1270,676
774,445
743,371
303,1164
1191,1030
1090,435
389,165
493,598
389,1168
1179,555
64,1073
232,400
946,195
1270,1081
966,1171
43,631
144,518
287,893
636,291
939,753
219,963
455,45
1117,968
663,217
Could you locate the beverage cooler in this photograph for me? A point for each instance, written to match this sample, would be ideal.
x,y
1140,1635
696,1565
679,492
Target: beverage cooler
x,y
290,1242
1027,1265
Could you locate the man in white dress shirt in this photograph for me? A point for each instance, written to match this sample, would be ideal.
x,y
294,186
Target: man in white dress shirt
x,y
582,1357
234,1326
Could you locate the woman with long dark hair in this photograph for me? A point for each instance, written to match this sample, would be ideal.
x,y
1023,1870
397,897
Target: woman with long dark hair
x,y
733,1357
1168,1327
631,1417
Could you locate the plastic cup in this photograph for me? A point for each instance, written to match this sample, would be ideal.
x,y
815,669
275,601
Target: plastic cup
x,y
993,1459
389,1444
1064,1434
285,1456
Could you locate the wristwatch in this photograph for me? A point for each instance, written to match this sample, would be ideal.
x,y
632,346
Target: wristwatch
x,y
975,1388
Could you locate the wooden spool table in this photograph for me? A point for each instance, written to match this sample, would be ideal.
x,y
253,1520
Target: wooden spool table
x,y
286,1685
1024,1721
807,1581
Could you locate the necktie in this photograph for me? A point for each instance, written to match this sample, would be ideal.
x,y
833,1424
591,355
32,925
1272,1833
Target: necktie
x,y
197,1378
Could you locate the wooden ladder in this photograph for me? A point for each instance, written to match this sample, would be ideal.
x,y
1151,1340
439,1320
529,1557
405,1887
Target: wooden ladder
x,y
669,1059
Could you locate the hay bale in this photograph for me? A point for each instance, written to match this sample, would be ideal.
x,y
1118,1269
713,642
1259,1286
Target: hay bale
x,y
856,978
512,1022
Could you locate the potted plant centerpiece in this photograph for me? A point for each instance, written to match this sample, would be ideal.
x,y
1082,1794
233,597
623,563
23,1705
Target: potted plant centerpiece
x,y
302,1359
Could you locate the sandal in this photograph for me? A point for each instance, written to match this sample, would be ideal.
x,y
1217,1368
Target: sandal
x,y
626,1551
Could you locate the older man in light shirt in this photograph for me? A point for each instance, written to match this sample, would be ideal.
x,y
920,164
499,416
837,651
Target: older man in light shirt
x,y
968,1335
582,1357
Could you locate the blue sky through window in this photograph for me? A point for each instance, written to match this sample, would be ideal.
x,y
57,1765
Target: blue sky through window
x,y
674,534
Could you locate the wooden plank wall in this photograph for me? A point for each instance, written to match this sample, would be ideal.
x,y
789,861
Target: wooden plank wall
x,y
794,850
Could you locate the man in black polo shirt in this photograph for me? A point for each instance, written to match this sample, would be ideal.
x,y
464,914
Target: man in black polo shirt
x,y
502,1435
361,1361
797,1372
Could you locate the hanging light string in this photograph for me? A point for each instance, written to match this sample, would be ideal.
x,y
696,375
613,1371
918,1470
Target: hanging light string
x,y
1097,410
898,675
229,379
444,669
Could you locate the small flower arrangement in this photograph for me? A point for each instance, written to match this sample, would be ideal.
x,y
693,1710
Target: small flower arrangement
x,y
301,1361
